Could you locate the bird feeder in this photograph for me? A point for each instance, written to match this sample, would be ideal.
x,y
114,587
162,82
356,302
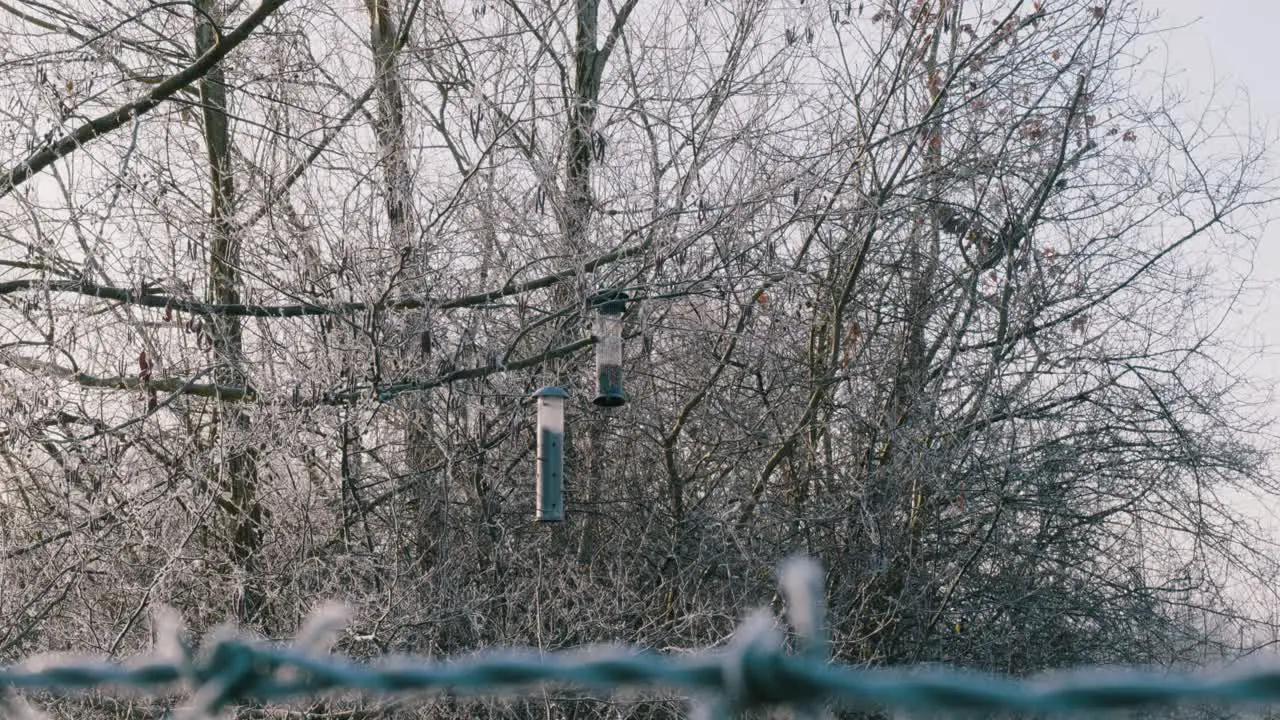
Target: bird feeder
x,y
609,307
550,506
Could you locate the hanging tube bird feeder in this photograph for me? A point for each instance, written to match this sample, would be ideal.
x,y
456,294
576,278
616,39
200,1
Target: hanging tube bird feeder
x,y
609,306
550,473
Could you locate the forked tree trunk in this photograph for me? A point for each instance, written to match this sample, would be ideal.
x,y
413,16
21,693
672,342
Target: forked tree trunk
x,y
584,147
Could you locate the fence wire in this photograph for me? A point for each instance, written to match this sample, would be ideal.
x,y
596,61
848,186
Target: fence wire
x,y
755,670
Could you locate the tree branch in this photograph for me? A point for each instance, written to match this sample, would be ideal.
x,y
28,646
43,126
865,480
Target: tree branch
x,y
381,393
69,143
147,296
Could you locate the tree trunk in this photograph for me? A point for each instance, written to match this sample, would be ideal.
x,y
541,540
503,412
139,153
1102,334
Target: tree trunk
x,y
389,127
237,473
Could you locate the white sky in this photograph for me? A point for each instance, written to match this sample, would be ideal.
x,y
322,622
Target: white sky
x,y
1217,51
1226,44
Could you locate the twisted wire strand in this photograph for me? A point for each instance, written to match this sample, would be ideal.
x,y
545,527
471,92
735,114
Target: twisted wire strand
x,y
781,679
753,670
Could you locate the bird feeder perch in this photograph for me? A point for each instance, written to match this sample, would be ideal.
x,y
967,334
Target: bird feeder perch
x,y
609,306
550,480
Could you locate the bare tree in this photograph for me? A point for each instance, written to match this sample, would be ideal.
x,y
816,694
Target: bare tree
x,y
911,291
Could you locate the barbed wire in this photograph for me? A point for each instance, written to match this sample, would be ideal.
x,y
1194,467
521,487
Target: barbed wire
x,y
754,670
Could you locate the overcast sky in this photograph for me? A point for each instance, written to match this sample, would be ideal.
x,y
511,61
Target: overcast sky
x,y
1227,44
1223,46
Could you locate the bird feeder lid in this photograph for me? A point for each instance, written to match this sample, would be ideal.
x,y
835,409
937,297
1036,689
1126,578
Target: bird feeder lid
x,y
551,391
610,302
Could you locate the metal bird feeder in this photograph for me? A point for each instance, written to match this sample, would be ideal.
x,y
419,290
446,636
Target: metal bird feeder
x,y
609,306
550,481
